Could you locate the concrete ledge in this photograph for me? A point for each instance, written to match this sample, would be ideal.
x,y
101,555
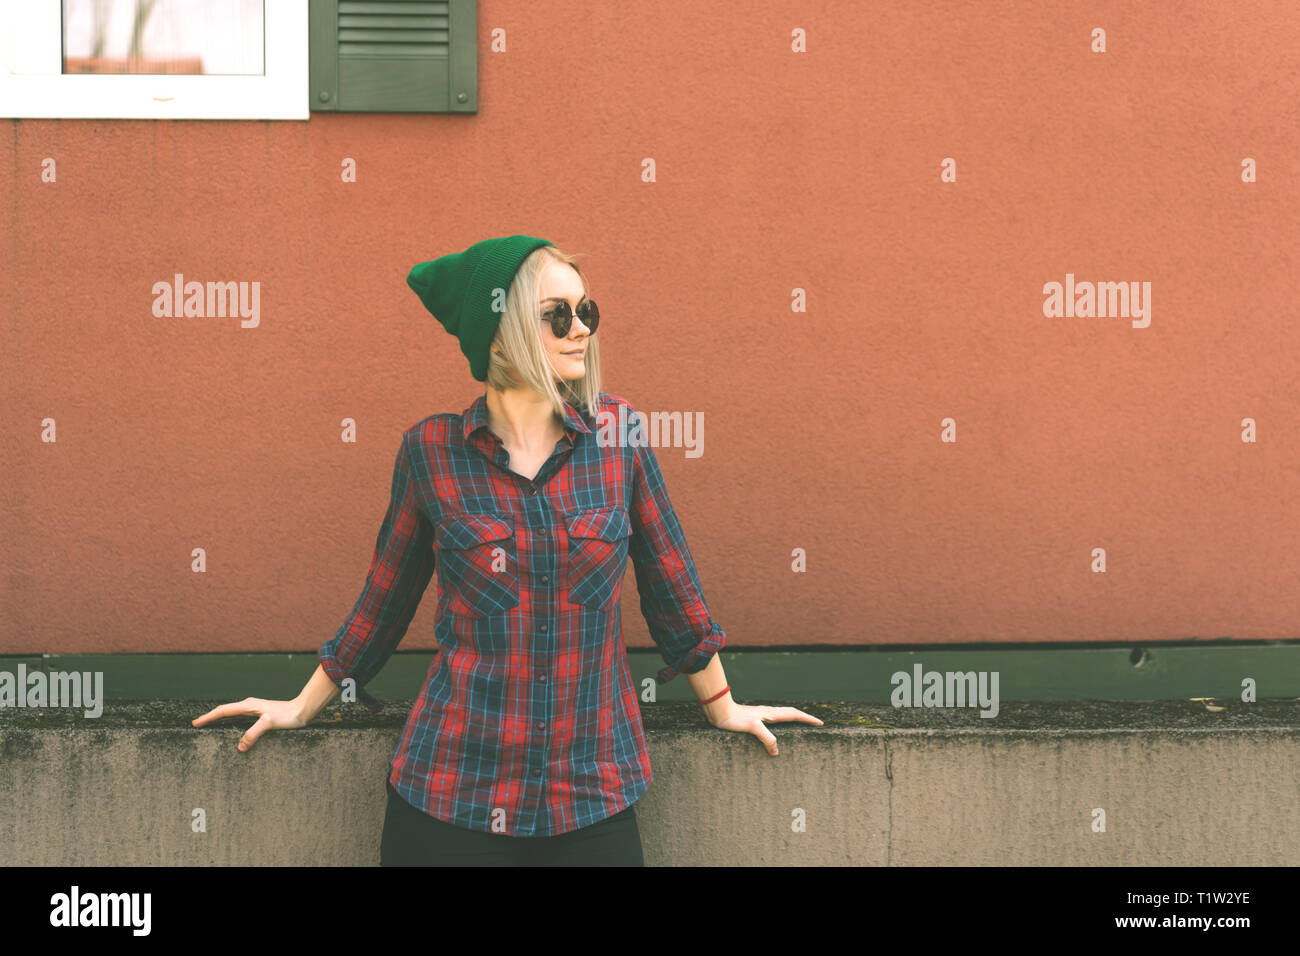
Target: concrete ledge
x,y
1180,785
1053,671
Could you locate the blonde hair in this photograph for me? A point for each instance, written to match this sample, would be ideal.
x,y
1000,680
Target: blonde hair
x,y
523,362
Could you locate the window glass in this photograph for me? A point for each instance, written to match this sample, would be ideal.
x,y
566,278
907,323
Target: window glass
x,y
164,36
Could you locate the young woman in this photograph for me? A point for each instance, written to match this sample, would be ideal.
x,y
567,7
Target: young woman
x,y
525,745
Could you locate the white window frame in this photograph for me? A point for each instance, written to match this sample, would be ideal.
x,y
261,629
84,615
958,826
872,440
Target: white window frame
x,y
32,84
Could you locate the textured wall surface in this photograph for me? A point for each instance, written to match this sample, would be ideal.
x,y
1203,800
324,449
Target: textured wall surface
x,y
1044,785
841,248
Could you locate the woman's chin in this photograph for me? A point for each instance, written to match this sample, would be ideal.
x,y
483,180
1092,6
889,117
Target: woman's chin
x,y
564,375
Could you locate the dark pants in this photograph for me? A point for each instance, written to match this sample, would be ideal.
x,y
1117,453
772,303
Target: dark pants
x,y
413,838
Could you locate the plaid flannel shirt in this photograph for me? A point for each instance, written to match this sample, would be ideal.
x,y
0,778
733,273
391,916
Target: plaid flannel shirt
x,y
528,723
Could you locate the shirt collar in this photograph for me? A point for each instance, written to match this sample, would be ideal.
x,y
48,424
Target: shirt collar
x,y
476,417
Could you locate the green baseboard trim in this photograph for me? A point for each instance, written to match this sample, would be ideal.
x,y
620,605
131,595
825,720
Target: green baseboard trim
x,y
1028,673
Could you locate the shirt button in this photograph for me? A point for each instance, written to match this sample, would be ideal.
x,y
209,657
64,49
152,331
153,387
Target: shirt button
x,y
537,773
541,677
543,628
541,725
545,579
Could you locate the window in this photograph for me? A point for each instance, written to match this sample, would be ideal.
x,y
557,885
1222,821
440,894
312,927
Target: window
x,y
154,59
235,59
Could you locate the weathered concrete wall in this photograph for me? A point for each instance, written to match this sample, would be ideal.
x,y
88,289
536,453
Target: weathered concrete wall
x,y
1180,785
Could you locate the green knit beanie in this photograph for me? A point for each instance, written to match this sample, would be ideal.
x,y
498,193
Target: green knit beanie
x,y
458,289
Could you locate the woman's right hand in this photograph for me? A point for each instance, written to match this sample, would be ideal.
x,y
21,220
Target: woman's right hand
x,y
271,715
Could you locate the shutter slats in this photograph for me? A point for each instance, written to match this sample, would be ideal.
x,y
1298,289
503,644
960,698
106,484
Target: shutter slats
x,y
406,8
347,37
390,23
437,51
374,28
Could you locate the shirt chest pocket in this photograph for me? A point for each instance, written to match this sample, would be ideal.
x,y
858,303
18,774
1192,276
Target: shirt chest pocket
x,y
598,543
478,564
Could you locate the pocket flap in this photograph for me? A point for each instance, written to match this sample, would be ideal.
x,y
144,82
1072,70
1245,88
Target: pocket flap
x,y
607,524
471,530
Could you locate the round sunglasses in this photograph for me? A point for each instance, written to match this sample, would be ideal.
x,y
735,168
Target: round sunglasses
x,y
560,316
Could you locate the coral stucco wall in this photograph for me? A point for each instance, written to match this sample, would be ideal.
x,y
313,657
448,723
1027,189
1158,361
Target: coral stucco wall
x,y
775,171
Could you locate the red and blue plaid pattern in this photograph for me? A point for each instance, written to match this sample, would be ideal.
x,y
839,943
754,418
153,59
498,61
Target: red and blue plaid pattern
x,y
528,722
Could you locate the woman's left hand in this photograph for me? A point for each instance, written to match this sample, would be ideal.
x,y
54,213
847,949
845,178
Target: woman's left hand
x,y
750,720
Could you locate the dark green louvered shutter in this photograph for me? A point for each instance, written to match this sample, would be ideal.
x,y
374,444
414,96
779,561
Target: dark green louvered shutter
x,y
394,55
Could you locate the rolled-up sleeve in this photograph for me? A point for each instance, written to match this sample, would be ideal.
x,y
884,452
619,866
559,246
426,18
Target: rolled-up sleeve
x,y
672,600
400,571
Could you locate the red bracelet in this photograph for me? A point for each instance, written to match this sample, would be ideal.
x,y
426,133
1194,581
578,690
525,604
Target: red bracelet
x,y
716,696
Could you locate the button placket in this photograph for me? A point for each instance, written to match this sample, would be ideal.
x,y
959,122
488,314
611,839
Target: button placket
x,y
542,560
